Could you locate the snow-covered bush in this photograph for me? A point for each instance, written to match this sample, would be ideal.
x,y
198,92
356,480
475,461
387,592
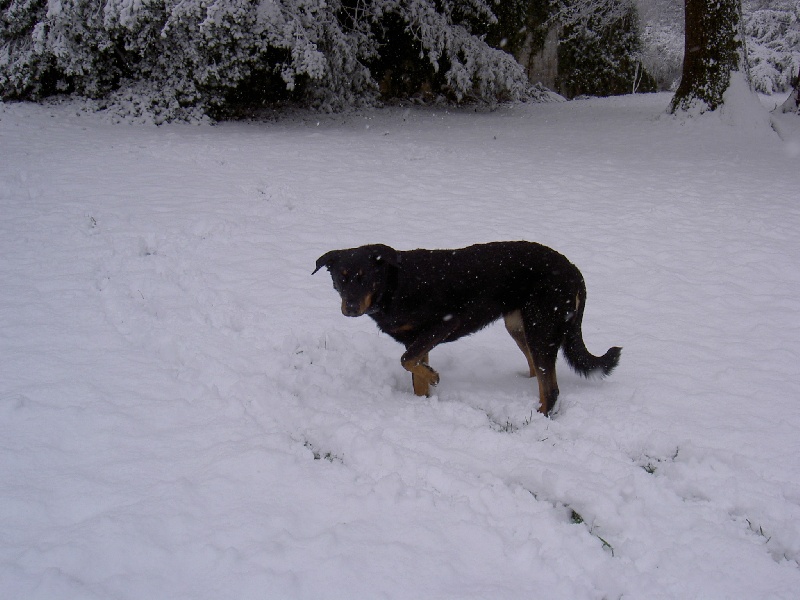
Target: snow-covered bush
x,y
773,43
183,55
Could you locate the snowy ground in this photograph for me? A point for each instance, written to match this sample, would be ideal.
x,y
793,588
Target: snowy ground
x,y
185,413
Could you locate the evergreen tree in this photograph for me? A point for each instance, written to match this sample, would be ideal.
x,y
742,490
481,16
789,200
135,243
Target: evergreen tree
x,y
599,45
599,53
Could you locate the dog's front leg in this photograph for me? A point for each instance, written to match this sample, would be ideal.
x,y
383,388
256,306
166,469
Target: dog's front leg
x,y
415,359
422,377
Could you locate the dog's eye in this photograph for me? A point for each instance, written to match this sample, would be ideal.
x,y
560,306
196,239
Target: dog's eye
x,y
348,276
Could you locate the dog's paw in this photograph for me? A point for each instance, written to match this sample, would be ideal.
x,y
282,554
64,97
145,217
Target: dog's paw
x,y
423,377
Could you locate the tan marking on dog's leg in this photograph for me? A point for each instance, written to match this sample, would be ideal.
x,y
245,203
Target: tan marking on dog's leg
x,y
542,395
548,390
422,376
516,329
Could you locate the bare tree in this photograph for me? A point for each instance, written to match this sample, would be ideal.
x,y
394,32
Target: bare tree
x,y
792,103
713,50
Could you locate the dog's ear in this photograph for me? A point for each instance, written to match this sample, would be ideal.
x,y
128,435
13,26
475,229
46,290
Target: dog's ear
x,y
385,255
326,260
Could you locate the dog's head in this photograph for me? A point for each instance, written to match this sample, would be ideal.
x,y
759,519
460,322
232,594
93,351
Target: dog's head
x,y
360,275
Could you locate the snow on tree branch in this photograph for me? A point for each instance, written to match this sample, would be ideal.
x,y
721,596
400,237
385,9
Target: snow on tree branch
x,y
185,55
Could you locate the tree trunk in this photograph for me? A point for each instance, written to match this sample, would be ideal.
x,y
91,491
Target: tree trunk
x,y
792,103
713,49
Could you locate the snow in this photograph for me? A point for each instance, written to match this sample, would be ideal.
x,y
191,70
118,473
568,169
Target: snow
x,y
185,413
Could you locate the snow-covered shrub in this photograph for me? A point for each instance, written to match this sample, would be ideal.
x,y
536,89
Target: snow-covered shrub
x,y
50,46
773,43
440,48
18,34
214,54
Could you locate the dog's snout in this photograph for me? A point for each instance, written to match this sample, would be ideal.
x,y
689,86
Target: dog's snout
x,y
357,307
351,309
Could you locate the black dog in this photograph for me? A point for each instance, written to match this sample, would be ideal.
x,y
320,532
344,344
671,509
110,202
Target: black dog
x,y
423,298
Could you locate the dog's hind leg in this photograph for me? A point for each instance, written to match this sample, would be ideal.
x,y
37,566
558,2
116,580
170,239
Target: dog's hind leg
x,y
548,384
516,329
543,335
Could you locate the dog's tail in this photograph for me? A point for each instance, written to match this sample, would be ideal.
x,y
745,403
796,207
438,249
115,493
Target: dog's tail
x,y
578,357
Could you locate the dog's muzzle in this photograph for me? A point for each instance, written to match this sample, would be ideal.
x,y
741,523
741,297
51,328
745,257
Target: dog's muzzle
x,y
350,311
357,308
